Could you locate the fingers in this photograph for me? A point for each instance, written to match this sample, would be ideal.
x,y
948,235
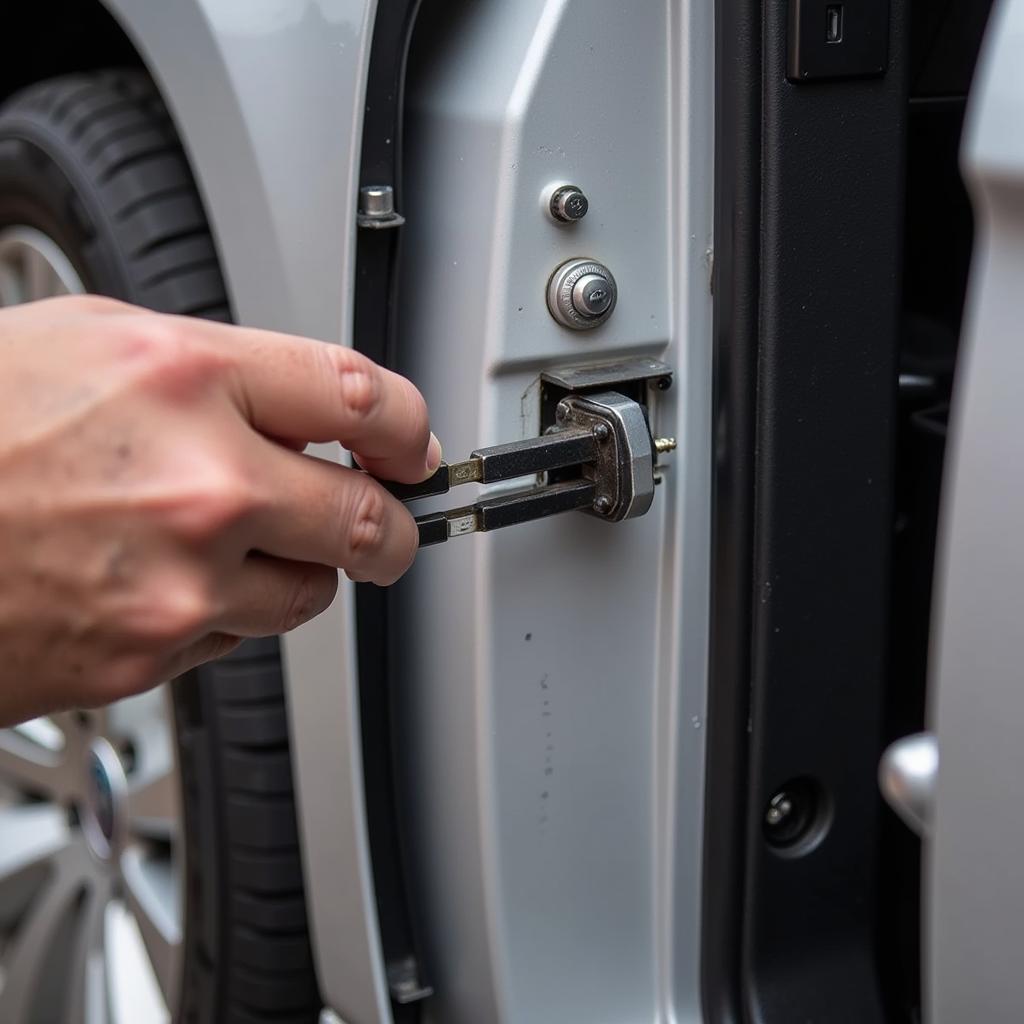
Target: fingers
x,y
388,469
309,390
320,512
209,648
270,596
267,596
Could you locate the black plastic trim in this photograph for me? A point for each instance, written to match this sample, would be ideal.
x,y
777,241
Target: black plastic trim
x,y
736,286
377,268
808,225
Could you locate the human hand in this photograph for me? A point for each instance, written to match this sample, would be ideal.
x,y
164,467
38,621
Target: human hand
x,y
155,504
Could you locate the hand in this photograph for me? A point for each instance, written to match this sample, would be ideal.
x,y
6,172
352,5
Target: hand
x,y
155,504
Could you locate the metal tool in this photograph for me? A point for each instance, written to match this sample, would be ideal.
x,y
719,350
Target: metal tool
x,y
598,458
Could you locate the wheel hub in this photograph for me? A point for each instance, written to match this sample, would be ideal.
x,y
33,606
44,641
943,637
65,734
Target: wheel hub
x,y
102,808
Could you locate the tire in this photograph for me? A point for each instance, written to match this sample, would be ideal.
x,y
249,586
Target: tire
x,y
93,161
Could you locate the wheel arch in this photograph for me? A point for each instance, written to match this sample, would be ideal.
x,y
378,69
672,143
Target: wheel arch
x,y
268,101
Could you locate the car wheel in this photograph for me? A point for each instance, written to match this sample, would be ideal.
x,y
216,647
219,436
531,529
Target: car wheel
x,y
149,861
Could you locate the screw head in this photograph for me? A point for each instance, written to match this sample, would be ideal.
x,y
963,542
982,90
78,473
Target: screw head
x,y
796,817
569,204
603,505
602,431
779,809
562,412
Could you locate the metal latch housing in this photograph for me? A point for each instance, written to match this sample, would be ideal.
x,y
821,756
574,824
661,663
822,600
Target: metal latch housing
x,y
596,454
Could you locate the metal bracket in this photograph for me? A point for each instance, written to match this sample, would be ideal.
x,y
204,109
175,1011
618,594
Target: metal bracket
x,y
404,982
610,375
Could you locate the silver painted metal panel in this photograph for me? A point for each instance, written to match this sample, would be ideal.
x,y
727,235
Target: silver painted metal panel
x,y
268,96
553,676
974,882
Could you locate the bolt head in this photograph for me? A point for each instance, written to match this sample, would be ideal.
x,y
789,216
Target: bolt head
x,y
562,412
377,201
602,431
603,505
569,204
779,809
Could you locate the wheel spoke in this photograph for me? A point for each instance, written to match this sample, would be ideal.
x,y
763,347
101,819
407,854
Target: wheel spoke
x,y
152,896
32,834
39,276
30,767
10,286
153,807
26,954
88,998
153,798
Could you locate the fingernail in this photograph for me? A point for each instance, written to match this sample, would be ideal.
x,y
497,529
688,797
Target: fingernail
x,y
433,454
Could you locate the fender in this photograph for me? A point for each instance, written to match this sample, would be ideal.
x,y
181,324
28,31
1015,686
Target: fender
x,y
268,100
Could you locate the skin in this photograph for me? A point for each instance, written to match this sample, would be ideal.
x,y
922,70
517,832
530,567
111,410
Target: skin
x,y
155,503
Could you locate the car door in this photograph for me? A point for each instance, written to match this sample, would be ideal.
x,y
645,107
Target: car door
x,y
974,882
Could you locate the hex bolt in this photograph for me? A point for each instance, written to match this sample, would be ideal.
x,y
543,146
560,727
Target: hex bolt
x,y
602,431
562,412
568,204
603,505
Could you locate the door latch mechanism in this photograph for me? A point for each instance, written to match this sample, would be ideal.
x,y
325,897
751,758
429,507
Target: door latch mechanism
x,y
598,457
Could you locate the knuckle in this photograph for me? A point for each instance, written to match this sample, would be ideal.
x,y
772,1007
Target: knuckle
x,y
165,355
358,381
403,541
180,613
216,499
366,525
311,595
418,416
224,504
406,543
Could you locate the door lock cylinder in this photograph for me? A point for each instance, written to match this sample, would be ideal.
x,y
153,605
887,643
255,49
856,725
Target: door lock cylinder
x,y
599,457
581,294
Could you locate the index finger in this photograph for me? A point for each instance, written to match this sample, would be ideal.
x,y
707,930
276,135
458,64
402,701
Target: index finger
x,y
308,390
